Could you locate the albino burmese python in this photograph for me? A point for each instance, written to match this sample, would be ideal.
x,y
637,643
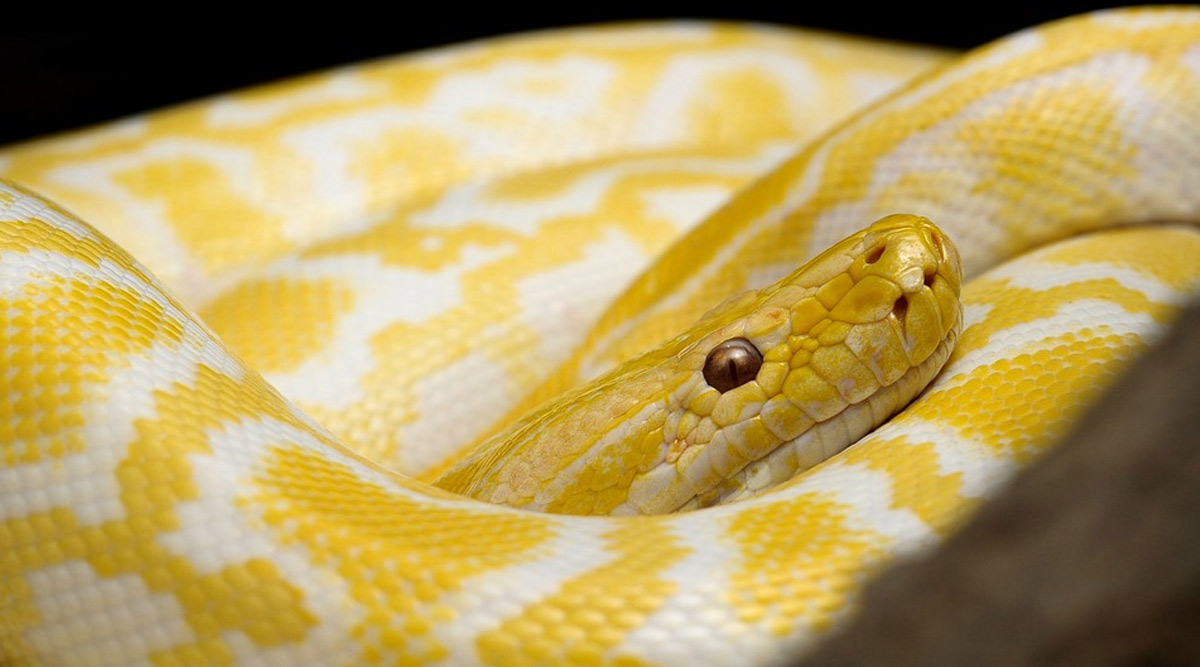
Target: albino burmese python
x,y
416,251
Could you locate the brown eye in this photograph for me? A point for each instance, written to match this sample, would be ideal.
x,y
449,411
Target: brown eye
x,y
732,364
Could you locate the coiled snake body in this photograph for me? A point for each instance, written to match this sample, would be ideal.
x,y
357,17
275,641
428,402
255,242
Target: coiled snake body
x,y
161,503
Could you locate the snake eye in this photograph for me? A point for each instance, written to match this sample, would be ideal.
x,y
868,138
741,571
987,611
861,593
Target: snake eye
x,y
732,364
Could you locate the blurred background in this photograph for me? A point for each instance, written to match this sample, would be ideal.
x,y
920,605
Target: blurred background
x,y
58,77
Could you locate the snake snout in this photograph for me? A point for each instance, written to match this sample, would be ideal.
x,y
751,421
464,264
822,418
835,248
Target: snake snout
x,y
924,265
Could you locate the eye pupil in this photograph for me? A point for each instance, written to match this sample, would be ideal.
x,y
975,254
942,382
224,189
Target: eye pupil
x,y
732,364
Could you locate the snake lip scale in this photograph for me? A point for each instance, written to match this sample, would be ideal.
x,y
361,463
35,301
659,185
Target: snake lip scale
x,y
239,338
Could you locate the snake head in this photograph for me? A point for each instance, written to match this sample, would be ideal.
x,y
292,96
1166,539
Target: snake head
x,y
764,386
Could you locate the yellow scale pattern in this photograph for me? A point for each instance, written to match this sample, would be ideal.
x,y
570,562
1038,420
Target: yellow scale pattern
x,y
1002,190
161,503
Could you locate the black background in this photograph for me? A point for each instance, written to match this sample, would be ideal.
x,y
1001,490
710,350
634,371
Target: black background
x,y
55,77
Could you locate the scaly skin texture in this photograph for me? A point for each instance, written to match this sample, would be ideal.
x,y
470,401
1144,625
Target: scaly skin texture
x,y
406,248
847,340
162,503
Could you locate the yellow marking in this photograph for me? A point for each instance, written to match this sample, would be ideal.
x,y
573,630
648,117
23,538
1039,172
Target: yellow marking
x,y
1139,249
729,97
423,158
210,215
1013,305
1038,190
800,560
308,310
398,242
592,612
250,597
916,481
63,338
397,555
1022,405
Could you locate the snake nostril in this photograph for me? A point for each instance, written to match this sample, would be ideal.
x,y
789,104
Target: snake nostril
x,y
875,254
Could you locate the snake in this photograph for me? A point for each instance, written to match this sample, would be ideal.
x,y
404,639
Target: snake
x,y
297,306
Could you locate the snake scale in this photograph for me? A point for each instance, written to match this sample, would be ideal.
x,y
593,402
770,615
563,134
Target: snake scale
x,y
414,252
